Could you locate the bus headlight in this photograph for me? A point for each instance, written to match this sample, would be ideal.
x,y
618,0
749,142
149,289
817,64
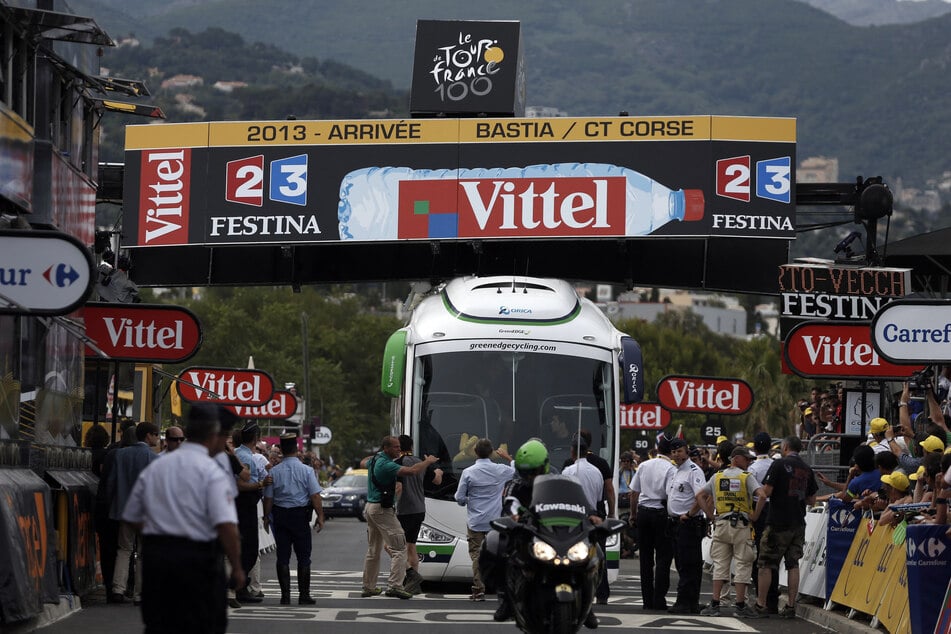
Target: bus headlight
x,y
430,535
542,551
579,552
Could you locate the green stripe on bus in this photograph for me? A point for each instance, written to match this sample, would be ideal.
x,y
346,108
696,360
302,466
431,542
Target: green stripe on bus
x,y
433,548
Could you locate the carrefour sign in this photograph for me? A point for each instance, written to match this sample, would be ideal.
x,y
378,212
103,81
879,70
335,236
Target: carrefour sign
x,y
43,273
913,331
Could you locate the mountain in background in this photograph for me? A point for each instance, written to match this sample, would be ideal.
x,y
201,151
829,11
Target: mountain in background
x,y
874,97
881,12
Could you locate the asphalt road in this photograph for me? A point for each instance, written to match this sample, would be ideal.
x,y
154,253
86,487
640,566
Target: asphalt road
x,y
336,580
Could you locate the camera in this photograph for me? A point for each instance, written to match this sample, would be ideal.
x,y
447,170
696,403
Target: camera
x,y
922,380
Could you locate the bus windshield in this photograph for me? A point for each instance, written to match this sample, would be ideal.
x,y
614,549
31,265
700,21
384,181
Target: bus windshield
x,y
508,397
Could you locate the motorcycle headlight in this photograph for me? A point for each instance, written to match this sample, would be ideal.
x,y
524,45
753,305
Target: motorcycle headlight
x,y
542,551
579,552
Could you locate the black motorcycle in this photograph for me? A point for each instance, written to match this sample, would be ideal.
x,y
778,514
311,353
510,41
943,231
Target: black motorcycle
x,y
552,558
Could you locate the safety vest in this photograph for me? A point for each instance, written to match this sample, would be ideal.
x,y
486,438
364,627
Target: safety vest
x,y
730,494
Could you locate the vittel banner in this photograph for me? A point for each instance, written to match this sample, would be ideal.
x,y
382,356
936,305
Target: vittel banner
x,y
459,179
705,395
644,416
164,197
225,386
913,331
282,405
142,332
841,349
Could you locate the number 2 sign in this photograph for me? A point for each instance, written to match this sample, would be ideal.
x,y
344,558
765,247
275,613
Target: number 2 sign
x,y
734,178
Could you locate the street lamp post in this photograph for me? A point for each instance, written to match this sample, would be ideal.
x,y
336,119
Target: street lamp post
x,y
303,325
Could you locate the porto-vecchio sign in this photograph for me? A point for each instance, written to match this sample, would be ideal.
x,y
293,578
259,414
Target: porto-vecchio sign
x,y
705,395
143,333
225,386
827,291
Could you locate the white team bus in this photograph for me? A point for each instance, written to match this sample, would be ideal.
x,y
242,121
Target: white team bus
x,y
507,358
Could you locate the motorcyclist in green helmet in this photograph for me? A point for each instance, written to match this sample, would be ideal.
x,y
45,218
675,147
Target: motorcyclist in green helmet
x,y
531,460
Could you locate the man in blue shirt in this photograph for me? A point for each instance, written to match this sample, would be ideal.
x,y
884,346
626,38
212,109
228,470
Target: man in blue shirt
x,y
382,525
249,494
293,496
129,463
480,490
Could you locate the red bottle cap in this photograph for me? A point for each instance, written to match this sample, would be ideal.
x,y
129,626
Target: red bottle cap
x,y
693,204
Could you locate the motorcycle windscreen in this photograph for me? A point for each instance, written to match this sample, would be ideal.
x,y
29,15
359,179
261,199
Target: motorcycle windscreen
x,y
558,501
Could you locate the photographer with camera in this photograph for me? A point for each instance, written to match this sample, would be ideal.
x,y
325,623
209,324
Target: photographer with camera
x,y
931,441
382,525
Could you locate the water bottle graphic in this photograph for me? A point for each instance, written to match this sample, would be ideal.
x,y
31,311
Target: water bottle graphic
x,y
584,196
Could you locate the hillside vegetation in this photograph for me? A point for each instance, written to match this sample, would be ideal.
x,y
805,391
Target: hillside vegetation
x,y
876,97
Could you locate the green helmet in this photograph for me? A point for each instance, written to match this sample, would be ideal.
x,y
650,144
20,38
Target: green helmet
x,y
531,459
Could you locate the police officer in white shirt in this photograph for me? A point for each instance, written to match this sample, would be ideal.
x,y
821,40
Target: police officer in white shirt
x,y
649,498
689,527
184,506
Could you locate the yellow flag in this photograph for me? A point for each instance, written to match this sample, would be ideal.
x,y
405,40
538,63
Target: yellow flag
x,y
176,400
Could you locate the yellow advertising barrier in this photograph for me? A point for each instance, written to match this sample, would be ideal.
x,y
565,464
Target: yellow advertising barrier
x,y
893,612
871,562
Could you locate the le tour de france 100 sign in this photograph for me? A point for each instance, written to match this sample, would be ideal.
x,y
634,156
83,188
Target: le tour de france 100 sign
x,y
285,182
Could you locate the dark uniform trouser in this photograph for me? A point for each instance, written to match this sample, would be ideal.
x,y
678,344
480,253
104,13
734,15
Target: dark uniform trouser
x,y
247,506
292,529
108,532
183,586
688,557
772,595
653,537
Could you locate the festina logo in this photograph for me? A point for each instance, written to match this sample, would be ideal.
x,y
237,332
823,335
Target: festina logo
x,y
228,387
164,193
694,394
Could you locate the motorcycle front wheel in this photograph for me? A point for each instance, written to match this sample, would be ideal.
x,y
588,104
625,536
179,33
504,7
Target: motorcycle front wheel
x,y
562,621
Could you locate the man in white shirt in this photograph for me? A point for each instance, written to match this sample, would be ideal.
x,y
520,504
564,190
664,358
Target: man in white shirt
x,y
648,504
585,473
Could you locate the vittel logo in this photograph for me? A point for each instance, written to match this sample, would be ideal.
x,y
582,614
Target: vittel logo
x,y
542,204
164,195
131,334
505,310
702,394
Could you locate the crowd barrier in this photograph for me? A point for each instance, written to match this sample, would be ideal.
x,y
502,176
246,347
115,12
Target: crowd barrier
x,y
902,582
27,546
896,579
